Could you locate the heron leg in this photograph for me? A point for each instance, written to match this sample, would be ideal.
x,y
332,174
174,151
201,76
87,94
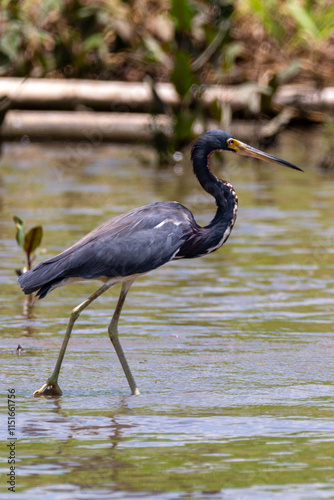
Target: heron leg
x,y
51,388
113,334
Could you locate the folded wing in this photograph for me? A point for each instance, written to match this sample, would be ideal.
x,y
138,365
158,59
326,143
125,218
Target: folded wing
x,y
133,243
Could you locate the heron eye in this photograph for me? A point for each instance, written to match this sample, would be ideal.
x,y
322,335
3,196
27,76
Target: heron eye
x,y
230,142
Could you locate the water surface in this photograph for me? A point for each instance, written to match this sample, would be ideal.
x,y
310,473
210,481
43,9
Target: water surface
x,y
233,353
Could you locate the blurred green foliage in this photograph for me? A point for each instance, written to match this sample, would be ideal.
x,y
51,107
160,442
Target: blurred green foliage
x,y
104,39
309,21
40,37
130,39
113,38
179,41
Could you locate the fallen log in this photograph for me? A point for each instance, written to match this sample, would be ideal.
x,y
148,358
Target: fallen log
x,y
108,96
81,125
35,93
97,127
69,94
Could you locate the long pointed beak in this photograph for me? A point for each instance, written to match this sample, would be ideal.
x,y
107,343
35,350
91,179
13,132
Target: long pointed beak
x,y
243,149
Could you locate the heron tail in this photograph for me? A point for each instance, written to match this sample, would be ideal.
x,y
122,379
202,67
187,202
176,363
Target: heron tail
x,y
41,279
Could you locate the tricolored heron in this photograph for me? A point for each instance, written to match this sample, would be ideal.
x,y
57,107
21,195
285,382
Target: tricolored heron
x,y
141,240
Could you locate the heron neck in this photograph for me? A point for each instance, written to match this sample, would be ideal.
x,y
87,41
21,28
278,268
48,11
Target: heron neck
x,y
222,191
206,178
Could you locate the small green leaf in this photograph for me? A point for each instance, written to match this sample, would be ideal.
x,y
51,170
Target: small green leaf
x,y
93,42
182,14
19,230
18,221
182,76
184,120
154,52
304,19
216,110
5,4
33,239
11,40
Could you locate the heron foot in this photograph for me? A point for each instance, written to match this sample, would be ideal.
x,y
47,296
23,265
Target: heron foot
x,y
49,389
135,392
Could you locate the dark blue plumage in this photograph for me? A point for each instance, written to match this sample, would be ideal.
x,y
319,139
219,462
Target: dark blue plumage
x,y
132,243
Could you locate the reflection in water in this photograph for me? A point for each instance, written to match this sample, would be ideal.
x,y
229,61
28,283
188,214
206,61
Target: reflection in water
x,y
234,352
103,463
28,306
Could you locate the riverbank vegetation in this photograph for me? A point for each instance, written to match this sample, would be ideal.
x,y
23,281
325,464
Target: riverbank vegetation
x,y
216,41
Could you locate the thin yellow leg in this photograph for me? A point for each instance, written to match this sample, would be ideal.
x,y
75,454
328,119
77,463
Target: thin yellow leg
x,y
51,388
113,334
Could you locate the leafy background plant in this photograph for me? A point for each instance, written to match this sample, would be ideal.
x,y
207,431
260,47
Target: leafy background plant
x,y
130,39
29,241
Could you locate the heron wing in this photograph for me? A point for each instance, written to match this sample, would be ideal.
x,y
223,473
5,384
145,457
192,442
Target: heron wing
x,y
133,243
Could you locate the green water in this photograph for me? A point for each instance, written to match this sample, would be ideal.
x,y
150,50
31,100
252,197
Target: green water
x,y
233,353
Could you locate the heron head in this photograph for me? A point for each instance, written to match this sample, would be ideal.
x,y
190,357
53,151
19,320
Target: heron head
x,y
218,140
